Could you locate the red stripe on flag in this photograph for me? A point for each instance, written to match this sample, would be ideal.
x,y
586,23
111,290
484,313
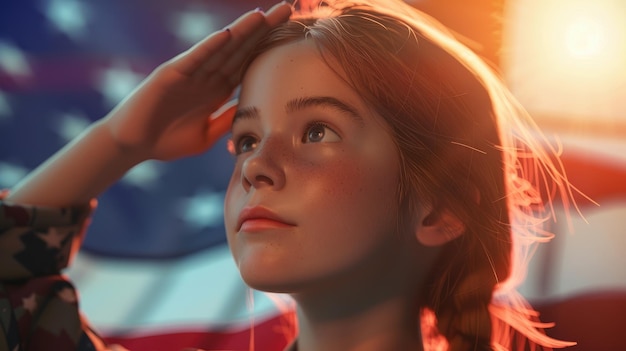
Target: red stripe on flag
x,y
269,335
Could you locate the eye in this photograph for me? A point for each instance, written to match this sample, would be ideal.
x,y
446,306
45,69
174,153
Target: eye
x,y
317,132
242,144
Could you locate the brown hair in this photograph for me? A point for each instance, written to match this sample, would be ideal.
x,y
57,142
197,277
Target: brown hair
x,y
462,142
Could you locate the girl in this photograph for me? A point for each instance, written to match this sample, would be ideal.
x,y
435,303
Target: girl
x,y
383,176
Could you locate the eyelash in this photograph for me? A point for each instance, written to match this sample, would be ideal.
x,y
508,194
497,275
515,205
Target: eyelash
x,y
234,144
312,125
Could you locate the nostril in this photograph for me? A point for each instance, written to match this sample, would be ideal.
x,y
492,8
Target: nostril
x,y
264,179
246,183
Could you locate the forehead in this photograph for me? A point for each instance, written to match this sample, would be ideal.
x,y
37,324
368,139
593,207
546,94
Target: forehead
x,y
292,71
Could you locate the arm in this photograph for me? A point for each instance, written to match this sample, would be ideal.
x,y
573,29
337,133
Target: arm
x,y
80,171
167,117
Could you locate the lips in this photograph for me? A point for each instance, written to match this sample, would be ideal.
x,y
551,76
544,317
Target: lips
x,y
258,218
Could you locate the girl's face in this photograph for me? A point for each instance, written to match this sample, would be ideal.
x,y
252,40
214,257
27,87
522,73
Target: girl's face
x,y
312,199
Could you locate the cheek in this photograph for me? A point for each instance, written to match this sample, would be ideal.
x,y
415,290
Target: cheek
x,y
352,191
330,175
351,215
234,194
230,196
371,177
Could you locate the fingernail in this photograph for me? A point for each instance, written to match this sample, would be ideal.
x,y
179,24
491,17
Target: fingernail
x,y
290,3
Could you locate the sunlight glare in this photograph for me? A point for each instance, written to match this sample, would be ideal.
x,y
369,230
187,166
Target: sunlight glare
x,y
586,37
567,57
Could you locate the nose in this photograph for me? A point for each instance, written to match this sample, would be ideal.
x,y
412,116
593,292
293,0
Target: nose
x,y
264,167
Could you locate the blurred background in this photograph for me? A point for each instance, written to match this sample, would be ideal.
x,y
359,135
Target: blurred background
x,y
154,271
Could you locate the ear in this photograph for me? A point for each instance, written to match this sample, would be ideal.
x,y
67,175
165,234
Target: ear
x,y
439,227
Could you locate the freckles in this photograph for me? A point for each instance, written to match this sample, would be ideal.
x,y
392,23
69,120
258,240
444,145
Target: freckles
x,y
333,172
346,181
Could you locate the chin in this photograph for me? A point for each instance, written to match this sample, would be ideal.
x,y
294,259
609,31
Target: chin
x,y
264,277
270,285
281,280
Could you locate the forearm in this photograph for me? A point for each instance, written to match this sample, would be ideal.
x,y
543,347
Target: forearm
x,y
80,171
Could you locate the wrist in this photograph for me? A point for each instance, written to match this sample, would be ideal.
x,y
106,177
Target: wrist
x,y
121,150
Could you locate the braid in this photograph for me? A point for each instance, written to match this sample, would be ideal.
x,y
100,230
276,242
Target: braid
x,y
460,295
464,319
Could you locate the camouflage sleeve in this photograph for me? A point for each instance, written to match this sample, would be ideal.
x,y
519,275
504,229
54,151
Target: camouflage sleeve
x,y
38,305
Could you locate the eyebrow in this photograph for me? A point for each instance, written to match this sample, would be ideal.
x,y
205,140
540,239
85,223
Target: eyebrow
x,y
302,103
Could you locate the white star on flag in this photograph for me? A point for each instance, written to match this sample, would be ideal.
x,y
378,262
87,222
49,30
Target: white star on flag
x,y
10,174
193,24
68,16
144,176
117,82
5,108
203,210
70,124
12,60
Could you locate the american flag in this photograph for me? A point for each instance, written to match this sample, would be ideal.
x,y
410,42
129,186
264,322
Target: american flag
x,y
154,272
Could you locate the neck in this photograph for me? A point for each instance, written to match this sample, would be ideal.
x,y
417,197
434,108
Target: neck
x,y
387,326
381,317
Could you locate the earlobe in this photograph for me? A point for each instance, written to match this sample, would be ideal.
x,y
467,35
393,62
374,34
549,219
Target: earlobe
x,y
438,228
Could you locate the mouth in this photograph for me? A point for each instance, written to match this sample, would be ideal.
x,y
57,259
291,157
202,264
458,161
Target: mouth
x,y
260,218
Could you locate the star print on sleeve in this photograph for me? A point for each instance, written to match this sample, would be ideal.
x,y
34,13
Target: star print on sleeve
x,y
30,303
53,238
67,295
38,241
43,253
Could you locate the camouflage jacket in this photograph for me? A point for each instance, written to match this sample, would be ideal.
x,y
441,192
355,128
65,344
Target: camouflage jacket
x,y
38,305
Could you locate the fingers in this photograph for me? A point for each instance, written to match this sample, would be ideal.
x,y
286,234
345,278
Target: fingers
x,y
249,38
245,33
191,60
216,49
278,14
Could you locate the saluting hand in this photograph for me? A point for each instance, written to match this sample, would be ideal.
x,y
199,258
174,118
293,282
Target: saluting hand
x,y
168,114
